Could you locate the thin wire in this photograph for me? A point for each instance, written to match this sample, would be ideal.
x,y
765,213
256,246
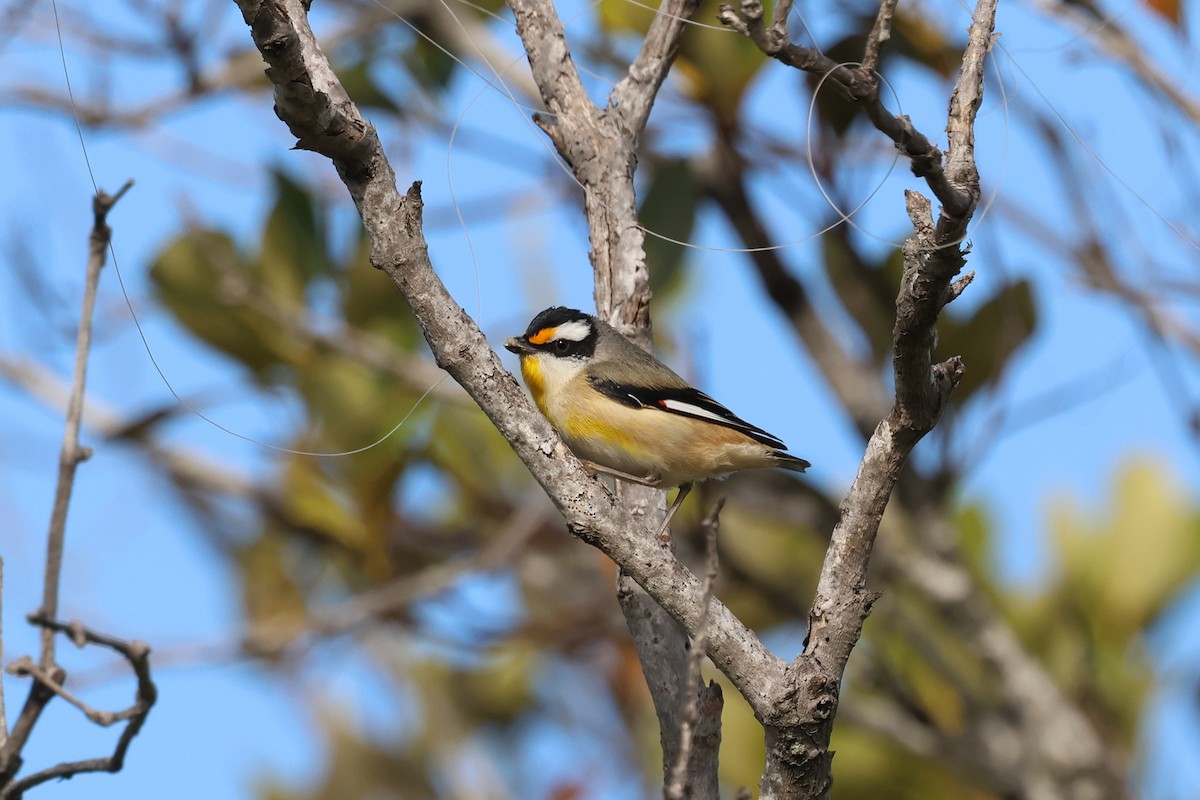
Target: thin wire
x,y
500,85
812,166
684,20
844,217
446,52
848,217
1096,157
62,54
1087,32
138,324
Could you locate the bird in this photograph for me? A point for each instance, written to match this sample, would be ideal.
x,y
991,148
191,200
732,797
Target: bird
x,y
624,413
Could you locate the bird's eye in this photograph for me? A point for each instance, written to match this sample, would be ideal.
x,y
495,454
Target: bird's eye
x,y
562,346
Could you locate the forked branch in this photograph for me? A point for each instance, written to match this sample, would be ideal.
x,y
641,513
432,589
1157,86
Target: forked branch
x,y
795,702
49,679
49,683
861,84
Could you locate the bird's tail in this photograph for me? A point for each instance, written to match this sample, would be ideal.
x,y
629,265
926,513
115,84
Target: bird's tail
x,y
789,461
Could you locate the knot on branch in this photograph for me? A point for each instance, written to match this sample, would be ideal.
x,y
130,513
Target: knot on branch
x,y
585,535
414,211
947,375
748,21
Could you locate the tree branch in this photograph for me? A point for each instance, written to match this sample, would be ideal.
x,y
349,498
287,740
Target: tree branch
x,y
796,704
798,757
311,101
634,96
694,771
48,676
880,33
932,259
49,683
859,84
71,454
601,148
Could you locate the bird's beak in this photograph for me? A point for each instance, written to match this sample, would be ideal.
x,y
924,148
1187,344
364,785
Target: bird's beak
x,y
518,345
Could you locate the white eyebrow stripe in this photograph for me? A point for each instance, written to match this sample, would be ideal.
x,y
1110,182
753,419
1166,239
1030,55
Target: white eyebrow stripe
x,y
693,411
575,330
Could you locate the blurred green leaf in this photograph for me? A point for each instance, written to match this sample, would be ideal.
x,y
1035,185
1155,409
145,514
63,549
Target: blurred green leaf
x,y
988,339
1130,562
200,277
669,210
364,90
867,290
714,67
429,65
294,245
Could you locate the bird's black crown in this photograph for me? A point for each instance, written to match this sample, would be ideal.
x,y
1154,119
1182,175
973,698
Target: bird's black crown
x,y
562,331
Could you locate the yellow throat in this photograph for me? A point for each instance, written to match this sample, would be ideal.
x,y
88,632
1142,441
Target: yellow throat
x,y
531,371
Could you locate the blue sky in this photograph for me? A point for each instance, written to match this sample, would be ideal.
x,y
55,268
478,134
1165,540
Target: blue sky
x,y
136,569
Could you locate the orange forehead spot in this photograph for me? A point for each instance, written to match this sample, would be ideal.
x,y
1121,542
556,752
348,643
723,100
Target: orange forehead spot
x,y
542,336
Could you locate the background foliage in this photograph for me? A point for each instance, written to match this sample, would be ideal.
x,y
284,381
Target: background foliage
x,y
415,608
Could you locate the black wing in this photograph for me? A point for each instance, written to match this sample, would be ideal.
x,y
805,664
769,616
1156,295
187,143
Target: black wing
x,y
685,401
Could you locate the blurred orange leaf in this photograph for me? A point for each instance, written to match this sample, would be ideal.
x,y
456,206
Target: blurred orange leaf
x,y
1171,10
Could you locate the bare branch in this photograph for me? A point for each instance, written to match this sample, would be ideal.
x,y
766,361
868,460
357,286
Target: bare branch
x,y
859,84
633,97
71,454
960,128
50,681
880,33
932,259
48,677
600,147
555,74
689,768
311,101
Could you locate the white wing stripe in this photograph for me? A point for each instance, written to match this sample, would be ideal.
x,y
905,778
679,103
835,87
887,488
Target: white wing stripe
x,y
761,436
694,411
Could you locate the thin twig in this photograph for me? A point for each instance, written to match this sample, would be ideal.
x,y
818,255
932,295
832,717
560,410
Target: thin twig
x,y
25,667
880,33
677,786
634,95
71,454
860,85
50,682
48,676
